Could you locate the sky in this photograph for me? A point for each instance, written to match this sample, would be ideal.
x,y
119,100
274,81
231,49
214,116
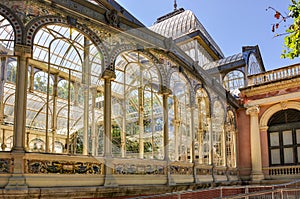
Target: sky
x,y
231,23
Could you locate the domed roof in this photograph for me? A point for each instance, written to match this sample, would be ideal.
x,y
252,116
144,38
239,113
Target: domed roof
x,y
179,23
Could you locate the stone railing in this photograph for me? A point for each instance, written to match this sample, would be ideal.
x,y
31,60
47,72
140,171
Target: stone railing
x,y
283,171
274,75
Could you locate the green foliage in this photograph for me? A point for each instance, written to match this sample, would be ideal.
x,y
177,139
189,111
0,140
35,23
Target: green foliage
x,y
291,48
292,33
292,40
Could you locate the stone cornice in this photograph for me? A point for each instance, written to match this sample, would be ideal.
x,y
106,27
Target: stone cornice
x,y
271,87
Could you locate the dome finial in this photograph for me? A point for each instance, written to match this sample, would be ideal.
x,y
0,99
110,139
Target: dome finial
x,y
175,5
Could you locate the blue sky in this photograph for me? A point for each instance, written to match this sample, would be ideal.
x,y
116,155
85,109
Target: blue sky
x,y
231,23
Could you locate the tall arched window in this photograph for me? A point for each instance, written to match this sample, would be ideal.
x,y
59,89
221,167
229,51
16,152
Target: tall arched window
x,y
218,139
8,68
11,71
202,127
179,119
72,66
230,139
284,138
234,80
137,107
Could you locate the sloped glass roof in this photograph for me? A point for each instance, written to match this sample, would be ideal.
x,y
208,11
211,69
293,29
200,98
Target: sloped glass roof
x,y
225,61
180,23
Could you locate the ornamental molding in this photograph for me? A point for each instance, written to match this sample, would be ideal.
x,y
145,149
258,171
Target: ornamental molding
x,y
275,108
112,18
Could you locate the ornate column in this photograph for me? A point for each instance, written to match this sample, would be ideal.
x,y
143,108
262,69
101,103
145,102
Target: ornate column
x,y
17,179
176,128
23,52
108,76
165,92
141,122
193,137
93,122
54,111
256,160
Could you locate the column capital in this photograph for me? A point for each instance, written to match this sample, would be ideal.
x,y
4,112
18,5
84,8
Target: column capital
x,y
23,50
165,90
254,110
263,128
108,74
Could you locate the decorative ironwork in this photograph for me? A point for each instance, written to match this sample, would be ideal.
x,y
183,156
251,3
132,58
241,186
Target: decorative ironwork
x,y
5,166
203,171
220,171
181,170
64,167
112,18
129,169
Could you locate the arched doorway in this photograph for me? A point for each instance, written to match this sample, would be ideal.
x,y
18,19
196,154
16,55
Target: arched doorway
x,y
284,138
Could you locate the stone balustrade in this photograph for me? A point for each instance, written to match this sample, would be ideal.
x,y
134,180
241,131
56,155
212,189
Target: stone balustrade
x,y
283,171
274,75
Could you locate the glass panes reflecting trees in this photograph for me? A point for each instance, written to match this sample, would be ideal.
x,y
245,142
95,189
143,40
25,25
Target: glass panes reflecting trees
x,y
137,108
65,75
180,136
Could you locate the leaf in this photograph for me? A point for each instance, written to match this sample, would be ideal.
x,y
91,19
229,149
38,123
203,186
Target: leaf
x,y
277,15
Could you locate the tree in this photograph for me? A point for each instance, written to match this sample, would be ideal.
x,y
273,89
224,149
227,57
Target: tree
x,y
292,33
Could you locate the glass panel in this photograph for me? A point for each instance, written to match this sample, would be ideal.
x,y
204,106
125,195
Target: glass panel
x,y
275,156
288,155
274,139
298,135
287,137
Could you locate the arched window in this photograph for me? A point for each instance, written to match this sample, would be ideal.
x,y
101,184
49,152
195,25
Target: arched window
x,y
11,71
40,82
202,126
179,119
234,80
37,145
218,139
136,107
284,138
64,89
72,64
253,65
230,139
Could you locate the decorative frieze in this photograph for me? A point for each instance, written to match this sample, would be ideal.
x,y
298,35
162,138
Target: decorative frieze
x,y
63,167
131,169
181,170
203,171
5,166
